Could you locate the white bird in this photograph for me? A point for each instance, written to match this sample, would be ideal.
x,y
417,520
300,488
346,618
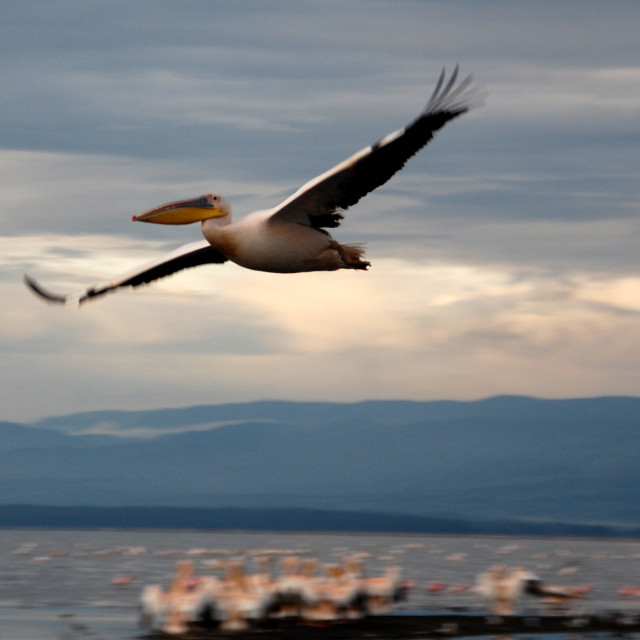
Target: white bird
x,y
503,587
292,237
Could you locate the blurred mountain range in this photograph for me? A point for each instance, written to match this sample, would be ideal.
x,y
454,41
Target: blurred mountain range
x,y
503,458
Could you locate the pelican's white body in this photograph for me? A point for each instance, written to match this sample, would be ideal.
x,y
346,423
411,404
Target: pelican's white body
x,y
261,243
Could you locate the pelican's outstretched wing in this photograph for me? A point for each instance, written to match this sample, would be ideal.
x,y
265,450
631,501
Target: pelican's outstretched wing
x,y
317,201
189,255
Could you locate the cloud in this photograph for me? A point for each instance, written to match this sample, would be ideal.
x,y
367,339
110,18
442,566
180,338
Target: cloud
x,y
115,430
504,255
405,329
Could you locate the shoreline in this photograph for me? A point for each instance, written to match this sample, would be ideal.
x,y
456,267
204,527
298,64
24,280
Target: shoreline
x,y
402,626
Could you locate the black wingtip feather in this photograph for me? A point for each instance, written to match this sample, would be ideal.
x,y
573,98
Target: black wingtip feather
x,y
454,99
41,292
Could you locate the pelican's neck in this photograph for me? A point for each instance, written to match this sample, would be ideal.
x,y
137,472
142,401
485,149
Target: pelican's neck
x,y
212,223
212,226
219,234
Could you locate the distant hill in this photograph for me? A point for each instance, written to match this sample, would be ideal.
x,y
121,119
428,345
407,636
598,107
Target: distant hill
x,y
291,520
504,458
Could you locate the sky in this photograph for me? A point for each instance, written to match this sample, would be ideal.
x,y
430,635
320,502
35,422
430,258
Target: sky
x,y
504,255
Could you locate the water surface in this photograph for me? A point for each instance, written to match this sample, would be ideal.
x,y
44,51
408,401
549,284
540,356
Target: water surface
x,y
60,584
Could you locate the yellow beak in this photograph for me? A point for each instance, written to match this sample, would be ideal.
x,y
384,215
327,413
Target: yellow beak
x,y
182,212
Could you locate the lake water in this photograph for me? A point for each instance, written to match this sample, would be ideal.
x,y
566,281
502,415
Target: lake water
x,y
59,584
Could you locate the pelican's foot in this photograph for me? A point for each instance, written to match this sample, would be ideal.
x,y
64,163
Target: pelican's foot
x,y
352,255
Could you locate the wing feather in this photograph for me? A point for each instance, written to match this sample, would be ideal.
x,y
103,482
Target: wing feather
x,y
317,202
189,255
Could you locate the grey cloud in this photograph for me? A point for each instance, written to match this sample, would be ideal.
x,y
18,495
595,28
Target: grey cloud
x,y
110,108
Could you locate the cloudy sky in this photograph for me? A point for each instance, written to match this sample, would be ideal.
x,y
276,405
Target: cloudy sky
x,y
505,255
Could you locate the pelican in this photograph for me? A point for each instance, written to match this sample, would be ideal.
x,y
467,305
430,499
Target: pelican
x,y
503,587
293,236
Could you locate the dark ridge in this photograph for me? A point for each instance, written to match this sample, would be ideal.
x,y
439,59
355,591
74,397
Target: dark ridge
x,y
285,520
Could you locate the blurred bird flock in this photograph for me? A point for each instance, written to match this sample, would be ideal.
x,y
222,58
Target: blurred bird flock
x,y
102,580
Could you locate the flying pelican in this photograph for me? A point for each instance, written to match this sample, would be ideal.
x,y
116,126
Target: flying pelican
x,y
291,237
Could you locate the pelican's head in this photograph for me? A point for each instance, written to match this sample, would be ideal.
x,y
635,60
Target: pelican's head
x,y
208,206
